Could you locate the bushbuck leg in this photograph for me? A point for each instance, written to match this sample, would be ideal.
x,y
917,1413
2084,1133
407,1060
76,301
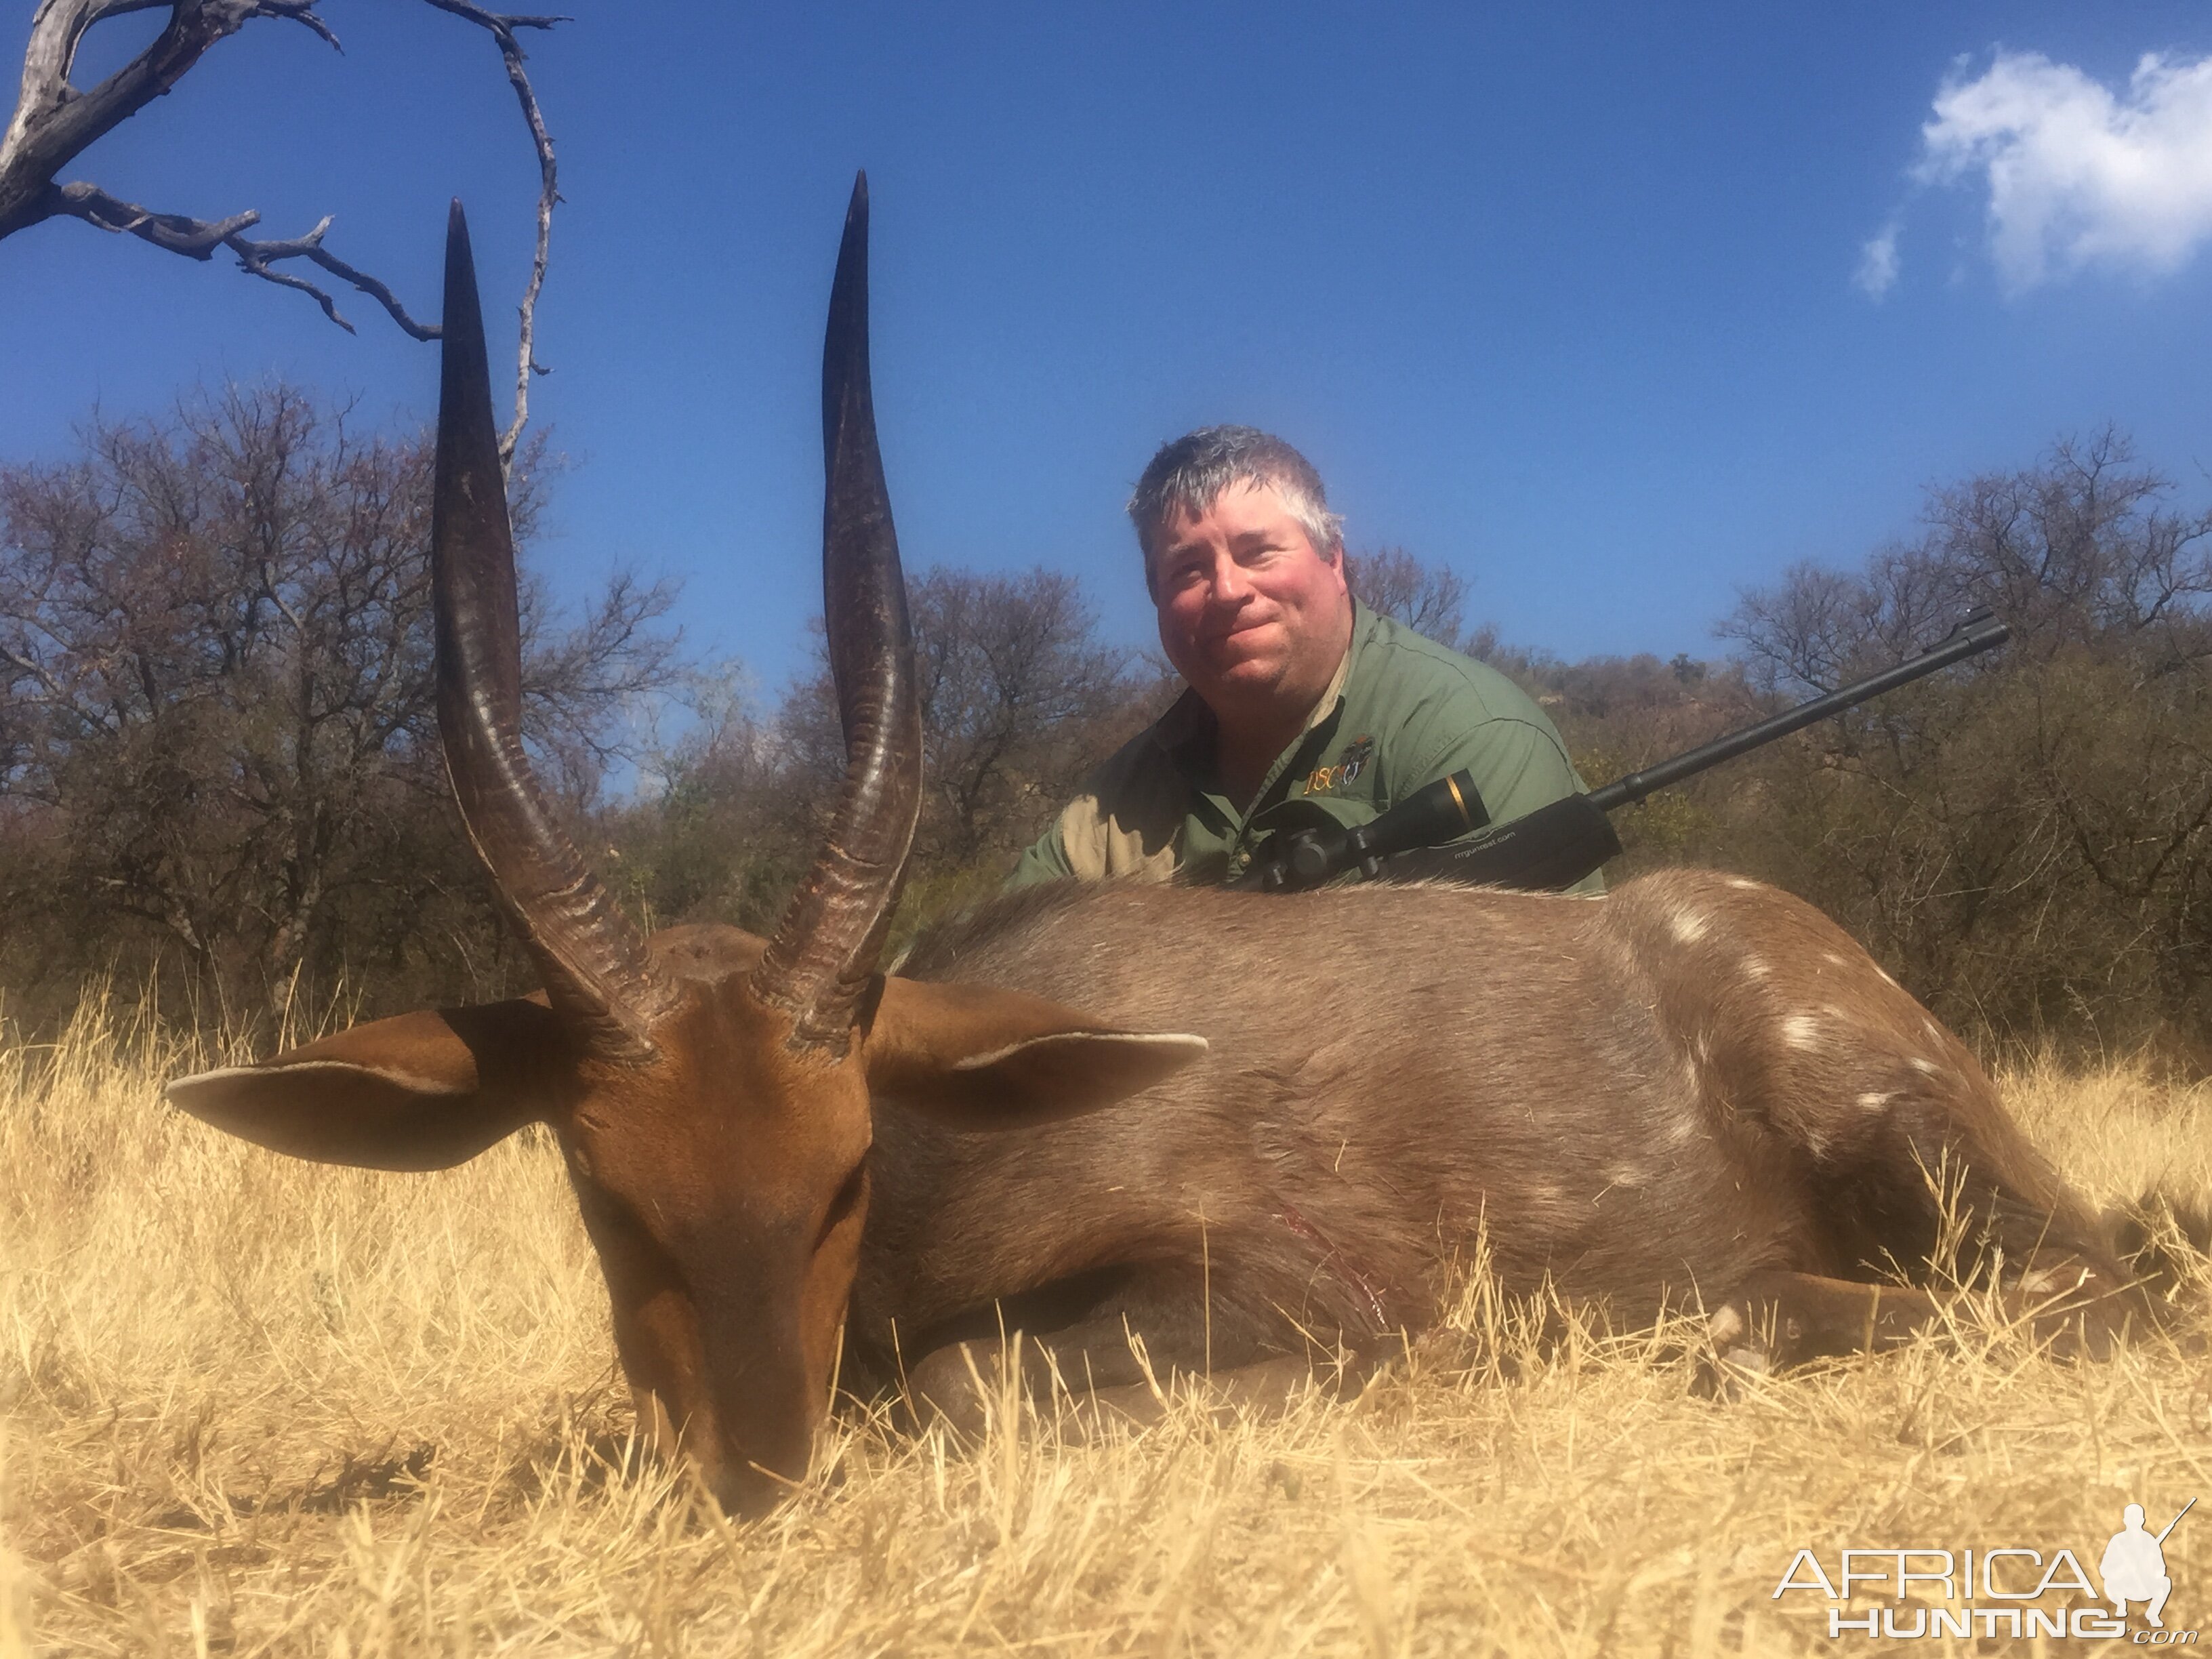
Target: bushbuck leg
x,y
1096,1366
1945,1182
1779,1319
1907,1161
1933,1176
1144,1336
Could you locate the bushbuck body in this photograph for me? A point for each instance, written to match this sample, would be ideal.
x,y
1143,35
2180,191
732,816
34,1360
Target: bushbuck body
x,y
1697,1089
1232,1125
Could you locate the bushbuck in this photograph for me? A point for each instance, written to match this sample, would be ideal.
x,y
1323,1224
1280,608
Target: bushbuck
x,y
1228,1124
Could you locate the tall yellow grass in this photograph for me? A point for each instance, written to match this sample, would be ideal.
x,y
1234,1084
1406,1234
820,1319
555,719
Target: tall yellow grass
x,y
252,1407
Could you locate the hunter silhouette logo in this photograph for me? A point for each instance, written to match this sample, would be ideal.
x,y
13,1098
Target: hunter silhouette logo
x,y
1991,1591
2134,1567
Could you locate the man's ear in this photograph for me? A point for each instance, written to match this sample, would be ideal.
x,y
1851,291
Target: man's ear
x,y
422,1091
986,1058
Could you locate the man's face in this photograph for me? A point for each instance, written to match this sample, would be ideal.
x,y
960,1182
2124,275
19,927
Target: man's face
x,y
1250,613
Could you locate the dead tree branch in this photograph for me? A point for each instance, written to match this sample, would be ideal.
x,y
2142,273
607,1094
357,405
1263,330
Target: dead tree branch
x,y
54,122
503,30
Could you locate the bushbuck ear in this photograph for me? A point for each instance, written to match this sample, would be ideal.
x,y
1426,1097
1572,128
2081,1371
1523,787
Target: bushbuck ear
x,y
986,1057
422,1091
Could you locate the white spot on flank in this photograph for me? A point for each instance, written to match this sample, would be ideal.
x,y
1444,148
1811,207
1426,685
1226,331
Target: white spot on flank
x,y
1800,1031
1756,971
1689,929
1925,1067
1740,884
1873,1103
2044,1281
1627,1175
1832,959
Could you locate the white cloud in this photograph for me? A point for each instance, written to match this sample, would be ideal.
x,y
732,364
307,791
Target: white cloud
x,y
2077,174
1878,262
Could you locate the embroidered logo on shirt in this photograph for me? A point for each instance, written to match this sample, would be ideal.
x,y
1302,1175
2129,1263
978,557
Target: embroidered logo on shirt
x,y
1349,765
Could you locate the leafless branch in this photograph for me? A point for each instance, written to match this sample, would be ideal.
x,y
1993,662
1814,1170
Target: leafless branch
x,y
199,239
196,239
54,122
502,29
257,257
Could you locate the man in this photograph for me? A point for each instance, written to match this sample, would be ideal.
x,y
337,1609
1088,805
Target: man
x,y
1297,690
2134,1567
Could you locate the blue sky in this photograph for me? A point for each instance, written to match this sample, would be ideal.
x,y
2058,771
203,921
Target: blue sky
x,y
1579,300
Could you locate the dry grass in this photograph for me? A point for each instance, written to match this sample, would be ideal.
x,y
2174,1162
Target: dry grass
x,y
253,1407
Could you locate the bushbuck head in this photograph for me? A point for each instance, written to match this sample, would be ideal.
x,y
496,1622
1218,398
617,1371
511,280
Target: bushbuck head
x,y
712,1093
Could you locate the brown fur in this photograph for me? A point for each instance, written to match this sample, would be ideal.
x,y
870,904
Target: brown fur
x,y
1674,1092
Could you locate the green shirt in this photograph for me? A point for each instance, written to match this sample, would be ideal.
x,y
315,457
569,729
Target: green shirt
x,y
1403,712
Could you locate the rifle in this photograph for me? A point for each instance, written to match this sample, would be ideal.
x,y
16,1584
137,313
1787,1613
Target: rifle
x,y
2176,1522
1555,846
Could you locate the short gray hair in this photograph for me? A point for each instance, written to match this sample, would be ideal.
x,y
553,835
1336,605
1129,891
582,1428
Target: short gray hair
x,y
1190,474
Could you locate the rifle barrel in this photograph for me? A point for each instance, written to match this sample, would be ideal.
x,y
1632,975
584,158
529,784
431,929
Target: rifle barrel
x,y
2176,1522
1979,632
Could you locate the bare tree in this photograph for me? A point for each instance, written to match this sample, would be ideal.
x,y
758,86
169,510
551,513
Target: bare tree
x,y
54,122
1019,700
723,836
1429,599
215,669
2029,837
2078,551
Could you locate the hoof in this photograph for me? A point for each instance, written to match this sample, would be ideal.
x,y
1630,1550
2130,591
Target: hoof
x,y
955,1387
1734,1375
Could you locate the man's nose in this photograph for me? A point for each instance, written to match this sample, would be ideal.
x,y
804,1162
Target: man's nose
x,y
1232,584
